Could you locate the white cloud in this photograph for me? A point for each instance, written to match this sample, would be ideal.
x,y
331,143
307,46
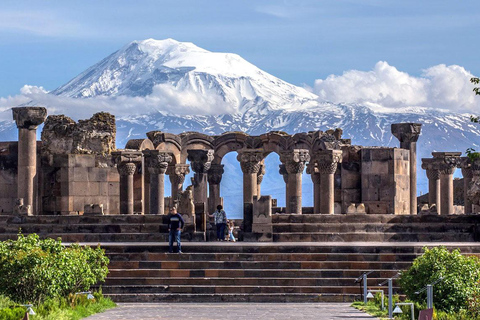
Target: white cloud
x,y
164,98
441,86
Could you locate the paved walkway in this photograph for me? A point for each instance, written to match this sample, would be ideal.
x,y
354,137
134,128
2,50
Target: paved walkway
x,y
232,311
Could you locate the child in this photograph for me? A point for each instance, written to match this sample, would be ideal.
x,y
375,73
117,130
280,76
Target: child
x,y
230,231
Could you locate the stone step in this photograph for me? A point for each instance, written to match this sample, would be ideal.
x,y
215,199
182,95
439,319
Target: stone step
x,y
249,273
84,228
373,218
148,256
258,265
284,248
373,237
372,227
247,297
219,289
196,281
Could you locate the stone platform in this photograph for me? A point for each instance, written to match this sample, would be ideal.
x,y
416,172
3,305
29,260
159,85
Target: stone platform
x,y
285,228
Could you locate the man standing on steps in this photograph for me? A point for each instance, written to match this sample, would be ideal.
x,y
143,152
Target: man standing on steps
x,y
175,226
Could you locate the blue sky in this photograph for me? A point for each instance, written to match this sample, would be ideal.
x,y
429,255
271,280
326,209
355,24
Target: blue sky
x,y
46,43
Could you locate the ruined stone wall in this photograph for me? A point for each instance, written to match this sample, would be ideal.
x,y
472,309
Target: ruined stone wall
x,y
62,135
351,177
8,176
74,180
385,180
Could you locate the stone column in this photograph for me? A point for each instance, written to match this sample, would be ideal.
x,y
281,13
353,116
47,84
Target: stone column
x,y
214,178
27,120
283,171
407,134
312,170
127,162
467,173
250,163
327,162
200,161
433,175
157,164
446,163
177,174
294,161
260,174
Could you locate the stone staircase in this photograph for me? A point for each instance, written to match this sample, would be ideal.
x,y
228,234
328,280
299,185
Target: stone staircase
x,y
312,258
247,272
376,228
252,272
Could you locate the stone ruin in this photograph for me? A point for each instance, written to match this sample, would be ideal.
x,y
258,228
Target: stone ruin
x,y
76,169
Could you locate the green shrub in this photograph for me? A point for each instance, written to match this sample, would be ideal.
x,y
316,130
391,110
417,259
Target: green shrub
x,y
32,270
460,275
16,313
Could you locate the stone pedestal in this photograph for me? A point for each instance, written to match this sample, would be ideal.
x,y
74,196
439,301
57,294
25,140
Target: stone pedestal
x,y
294,161
467,172
327,162
250,160
312,170
200,161
176,174
446,163
127,163
214,178
407,134
27,120
157,164
433,176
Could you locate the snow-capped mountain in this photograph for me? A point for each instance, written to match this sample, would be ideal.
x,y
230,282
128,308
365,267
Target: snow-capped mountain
x,y
138,67
238,96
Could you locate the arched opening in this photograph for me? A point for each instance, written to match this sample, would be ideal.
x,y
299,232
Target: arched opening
x,y
273,183
231,186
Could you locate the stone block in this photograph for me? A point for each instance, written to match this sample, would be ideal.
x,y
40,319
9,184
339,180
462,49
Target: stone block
x,y
112,175
93,209
262,228
80,174
63,160
66,189
98,174
361,208
262,209
80,188
84,160
64,174
114,189
370,194
337,208
351,196
351,209
78,203
6,205
378,207
64,204
8,190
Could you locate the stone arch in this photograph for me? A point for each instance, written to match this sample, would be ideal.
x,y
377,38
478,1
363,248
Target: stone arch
x,y
194,141
167,142
140,144
228,142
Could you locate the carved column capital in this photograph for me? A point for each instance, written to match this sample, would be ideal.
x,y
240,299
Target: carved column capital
x,y
200,160
29,117
406,132
466,165
327,160
431,168
127,161
157,161
176,173
295,160
215,174
446,162
250,160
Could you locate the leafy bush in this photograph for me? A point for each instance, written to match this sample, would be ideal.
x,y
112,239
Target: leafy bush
x,y
15,313
32,270
460,275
